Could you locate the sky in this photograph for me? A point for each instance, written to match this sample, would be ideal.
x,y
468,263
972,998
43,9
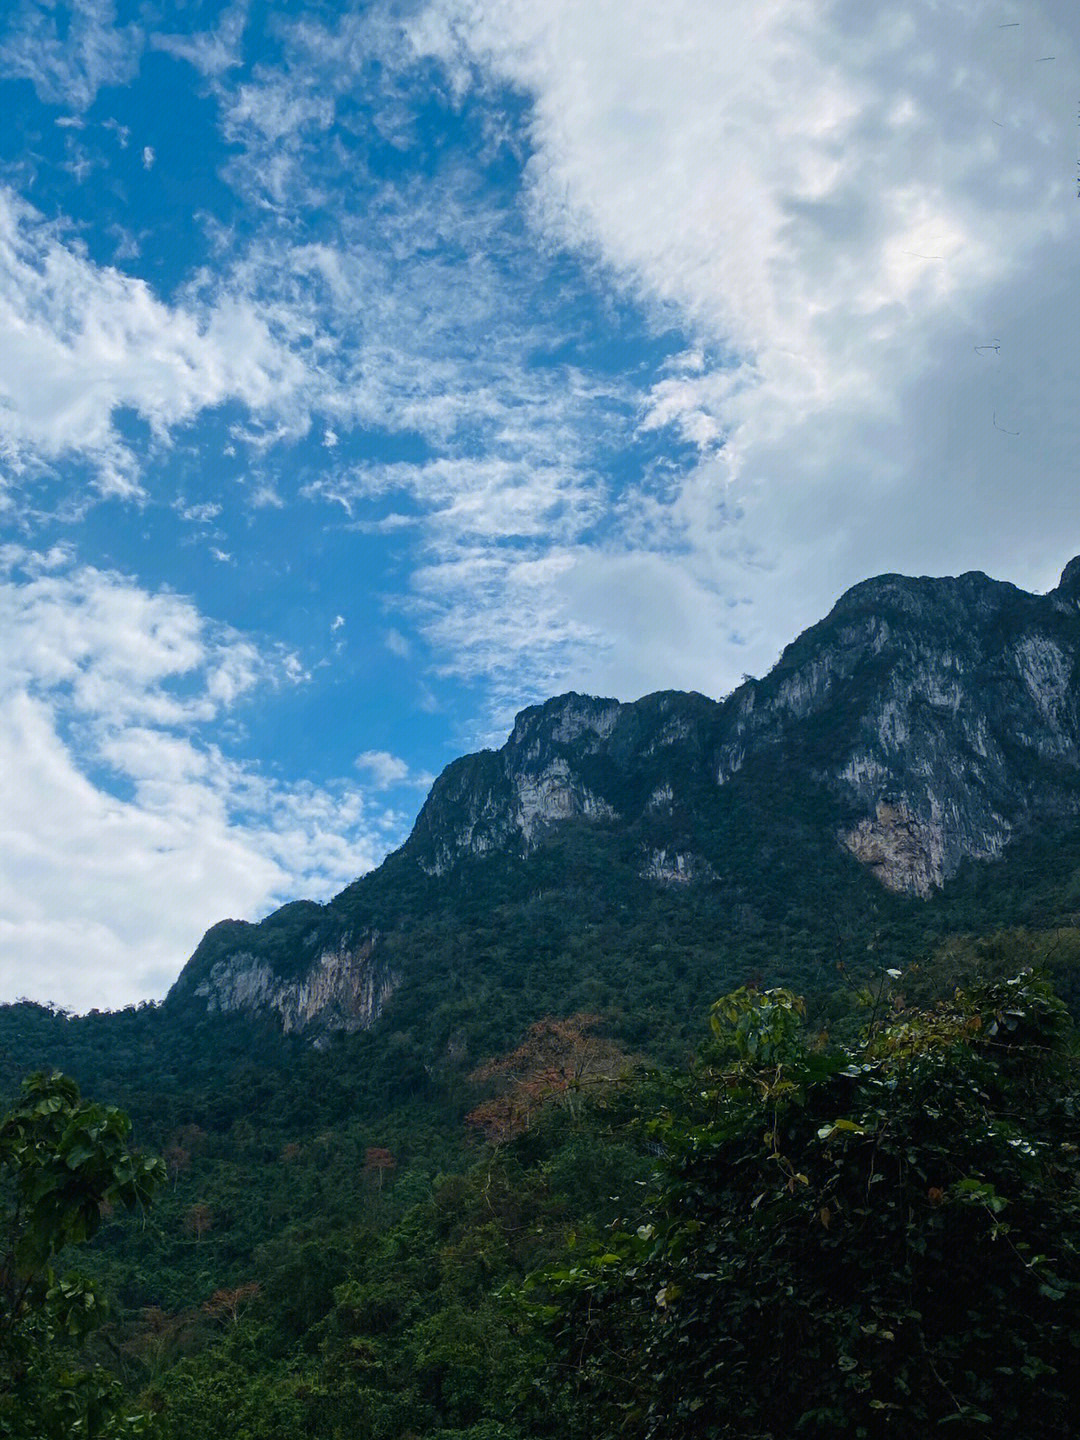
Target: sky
x,y
369,372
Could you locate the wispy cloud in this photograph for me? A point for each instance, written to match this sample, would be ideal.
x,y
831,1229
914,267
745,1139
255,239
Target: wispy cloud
x,y
201,514
398,644
68,69
422,308
211,52
840,202
83,341
386,771
815,195
465,499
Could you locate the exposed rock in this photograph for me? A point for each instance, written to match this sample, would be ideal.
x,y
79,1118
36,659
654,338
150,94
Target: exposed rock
x,y
1047,673
1068,586
508,799
566,720
922,723
343,989
660,800
239,982
916,698
675,868
552,795
904,852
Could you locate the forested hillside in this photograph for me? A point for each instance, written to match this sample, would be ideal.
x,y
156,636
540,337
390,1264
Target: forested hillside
x,y
342,1239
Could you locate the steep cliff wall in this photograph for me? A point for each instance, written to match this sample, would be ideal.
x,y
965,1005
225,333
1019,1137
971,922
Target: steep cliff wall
x,y
943,712
941,715
509,798
341,985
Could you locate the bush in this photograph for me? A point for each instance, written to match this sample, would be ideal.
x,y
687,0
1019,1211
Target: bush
x,y
870,1241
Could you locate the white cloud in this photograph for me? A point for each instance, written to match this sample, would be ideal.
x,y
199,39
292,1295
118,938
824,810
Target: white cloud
x,y
422,310
201,513
817,194
821,193
148,157
491,497
122,132
211,52
125,829
70,69
81,341
398,644
385,771
263,496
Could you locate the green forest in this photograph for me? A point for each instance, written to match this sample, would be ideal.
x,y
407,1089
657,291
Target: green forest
x,y
835,1198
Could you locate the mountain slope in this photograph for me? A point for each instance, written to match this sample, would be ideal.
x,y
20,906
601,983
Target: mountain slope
x,y
922,724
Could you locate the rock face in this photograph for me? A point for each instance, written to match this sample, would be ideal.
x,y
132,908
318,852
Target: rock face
x,y
343,989
941,715
675,867
342,985
902,851
921,724
511,797
952,707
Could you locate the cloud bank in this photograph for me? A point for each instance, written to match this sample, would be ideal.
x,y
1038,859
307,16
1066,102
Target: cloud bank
x,y
842,203
113,701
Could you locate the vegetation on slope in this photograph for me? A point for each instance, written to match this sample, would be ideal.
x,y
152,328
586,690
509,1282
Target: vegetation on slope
x,y
874,1239
337,1243
787,1235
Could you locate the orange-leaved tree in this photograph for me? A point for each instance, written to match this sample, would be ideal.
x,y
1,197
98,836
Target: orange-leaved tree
x,y
229,1304
377,1162
559,1062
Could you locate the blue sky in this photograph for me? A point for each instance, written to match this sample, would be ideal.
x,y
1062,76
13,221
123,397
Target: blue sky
x,y
370,372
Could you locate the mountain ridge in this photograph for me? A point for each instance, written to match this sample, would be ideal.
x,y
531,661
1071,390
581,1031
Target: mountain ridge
x,y
922,723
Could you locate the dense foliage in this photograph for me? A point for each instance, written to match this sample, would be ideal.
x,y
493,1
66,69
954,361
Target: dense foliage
x,y
63,1164
870,1240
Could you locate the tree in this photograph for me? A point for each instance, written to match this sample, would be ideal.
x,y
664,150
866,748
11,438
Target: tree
x,y
63,1163
865,1242
378,1161
229,1304
177,1160
558,1063
198,1219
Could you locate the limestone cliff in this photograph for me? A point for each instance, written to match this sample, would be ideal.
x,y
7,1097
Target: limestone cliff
x,y
923,723
510,797
342,984
941,714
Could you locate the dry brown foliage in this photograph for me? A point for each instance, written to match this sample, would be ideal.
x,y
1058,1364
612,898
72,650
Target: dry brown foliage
x,y
230,1304
558,1062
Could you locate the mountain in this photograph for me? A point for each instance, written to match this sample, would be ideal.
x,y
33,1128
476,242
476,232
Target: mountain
x,y
336,1091
923,725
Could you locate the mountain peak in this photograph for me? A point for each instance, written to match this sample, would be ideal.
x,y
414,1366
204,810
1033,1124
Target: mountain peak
x,y
921,725
1069,584
565,719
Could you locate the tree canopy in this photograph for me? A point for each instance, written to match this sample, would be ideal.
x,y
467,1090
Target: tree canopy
x,y
865,1240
